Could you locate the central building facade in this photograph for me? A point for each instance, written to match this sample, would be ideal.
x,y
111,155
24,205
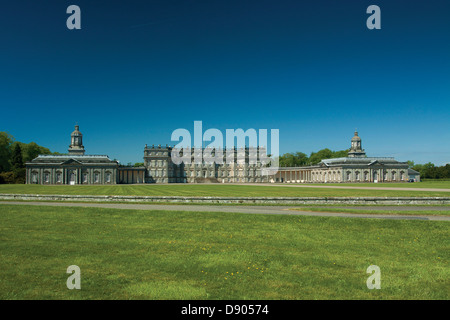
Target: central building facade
x,y
236,169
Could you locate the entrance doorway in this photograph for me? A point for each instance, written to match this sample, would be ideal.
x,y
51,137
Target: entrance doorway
x,y
72,178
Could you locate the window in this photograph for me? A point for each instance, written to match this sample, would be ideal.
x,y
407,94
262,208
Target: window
x,y
357,175
58,177
46,177
34,178
85,177
366,176
96,177
348,175
402,175
108,177
393,175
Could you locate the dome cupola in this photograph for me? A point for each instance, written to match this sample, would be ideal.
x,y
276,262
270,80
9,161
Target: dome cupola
x,y
76,144
356,149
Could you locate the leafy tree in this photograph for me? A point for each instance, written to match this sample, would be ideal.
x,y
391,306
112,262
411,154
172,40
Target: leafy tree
x,y
17,165
32,150
318,156
299,159
7,177
445,171
5,151
16,157
340,154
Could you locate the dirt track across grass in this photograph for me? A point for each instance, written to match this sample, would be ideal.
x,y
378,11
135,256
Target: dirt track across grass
x,y
239,209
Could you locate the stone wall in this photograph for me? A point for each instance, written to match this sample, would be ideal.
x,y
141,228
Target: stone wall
x,y
230,200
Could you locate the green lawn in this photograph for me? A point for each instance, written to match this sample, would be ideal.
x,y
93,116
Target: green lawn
x,y
127,254
413,210
438,184
217,190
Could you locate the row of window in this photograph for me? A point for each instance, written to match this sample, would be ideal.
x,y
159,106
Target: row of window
x,y
249,173
71,177
163,163
334,176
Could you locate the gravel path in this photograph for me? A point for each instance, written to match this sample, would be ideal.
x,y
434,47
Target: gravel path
x,y
287,210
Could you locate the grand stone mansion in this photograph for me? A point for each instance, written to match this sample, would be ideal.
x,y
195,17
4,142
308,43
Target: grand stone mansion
x,y
78,168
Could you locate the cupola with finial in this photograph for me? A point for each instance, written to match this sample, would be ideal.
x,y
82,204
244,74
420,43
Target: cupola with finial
x,y
356,150
76,145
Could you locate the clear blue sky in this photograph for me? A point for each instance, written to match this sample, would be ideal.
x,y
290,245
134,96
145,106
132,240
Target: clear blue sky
x,y
137,70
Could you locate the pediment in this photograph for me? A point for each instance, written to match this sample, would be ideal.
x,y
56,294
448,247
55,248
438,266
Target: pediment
x,y
71,162
376,162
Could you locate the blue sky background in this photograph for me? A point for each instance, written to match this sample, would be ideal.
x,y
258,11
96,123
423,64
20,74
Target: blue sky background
x,y
137,70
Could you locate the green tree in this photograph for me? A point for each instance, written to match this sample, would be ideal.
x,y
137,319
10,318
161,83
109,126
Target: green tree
x,y
16,157
32,150
301,159
17,164
318,156
340,154
5,151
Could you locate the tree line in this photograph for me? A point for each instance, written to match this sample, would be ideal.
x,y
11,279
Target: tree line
x,y
14,155
299,159
430,171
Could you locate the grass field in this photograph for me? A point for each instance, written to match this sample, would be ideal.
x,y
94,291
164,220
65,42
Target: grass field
x,y
437,184
413,210
126,254
218,190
